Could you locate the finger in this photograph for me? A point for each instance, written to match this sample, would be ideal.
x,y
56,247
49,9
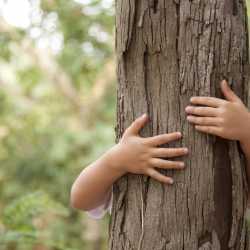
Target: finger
x,y
205,121
165,164
169,152
207,101
137,125
228,92
202,111
159,177
209,130
164,138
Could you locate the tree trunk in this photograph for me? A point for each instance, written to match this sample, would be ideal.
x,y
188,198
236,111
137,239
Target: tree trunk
x,y
168,51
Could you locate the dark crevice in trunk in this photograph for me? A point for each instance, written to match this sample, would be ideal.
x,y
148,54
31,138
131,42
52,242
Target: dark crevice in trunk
x,y
222,192
207,237
146,82
177,32
235,7
155,5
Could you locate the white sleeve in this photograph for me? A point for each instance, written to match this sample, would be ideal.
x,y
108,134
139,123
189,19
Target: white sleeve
x,y
101,210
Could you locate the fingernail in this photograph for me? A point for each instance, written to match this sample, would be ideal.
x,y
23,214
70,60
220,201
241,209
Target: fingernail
x,y
224,81
171,181
182,164
185,150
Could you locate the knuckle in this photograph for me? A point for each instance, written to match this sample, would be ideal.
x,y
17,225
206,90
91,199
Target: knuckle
x,y
191,118
208,129
156,139
135,123
197,110
194,99
176,164
166,164
202,129
148,154
239,104
138,119
146,163
143,169
167,137
177,151
173,135
147,171
221,111
222,120
166,152
198,99
202,120
197,119
145,142
127,130
225,105
151,162
222,130
152,173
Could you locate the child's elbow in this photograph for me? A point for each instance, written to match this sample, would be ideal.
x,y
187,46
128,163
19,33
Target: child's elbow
x,y
75,201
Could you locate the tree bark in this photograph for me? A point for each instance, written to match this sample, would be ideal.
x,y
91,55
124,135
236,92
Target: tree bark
x,y
167,52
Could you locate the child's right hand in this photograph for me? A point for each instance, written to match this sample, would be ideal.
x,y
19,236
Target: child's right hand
x,y
139,155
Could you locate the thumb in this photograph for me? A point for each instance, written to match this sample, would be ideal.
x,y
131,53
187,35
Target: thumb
x,y
228,92
137,125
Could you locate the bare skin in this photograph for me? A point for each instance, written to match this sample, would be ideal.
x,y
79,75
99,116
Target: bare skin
x,y
133,154
229,118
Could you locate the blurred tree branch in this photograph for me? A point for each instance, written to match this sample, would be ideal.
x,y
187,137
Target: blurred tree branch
x,y
46,62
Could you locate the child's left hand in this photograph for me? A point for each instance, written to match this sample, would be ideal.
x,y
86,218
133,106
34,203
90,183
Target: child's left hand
x,y
229,119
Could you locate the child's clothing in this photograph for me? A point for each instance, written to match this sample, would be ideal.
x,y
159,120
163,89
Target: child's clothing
x,y
100,211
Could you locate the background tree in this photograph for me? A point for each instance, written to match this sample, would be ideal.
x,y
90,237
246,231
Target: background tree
x,y
168,51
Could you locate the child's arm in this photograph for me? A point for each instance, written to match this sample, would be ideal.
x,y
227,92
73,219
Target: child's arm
x,y
132,154
229,119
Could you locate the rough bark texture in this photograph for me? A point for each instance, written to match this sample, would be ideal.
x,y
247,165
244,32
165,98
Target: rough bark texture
x,y
168,51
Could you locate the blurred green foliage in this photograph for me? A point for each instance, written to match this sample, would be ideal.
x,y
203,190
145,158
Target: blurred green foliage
x,y
50,126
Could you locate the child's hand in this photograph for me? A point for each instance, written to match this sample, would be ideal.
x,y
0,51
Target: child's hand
x,y
140,155
228,118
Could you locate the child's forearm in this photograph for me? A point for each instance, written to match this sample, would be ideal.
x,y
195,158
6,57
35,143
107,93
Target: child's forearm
x,y
93,185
